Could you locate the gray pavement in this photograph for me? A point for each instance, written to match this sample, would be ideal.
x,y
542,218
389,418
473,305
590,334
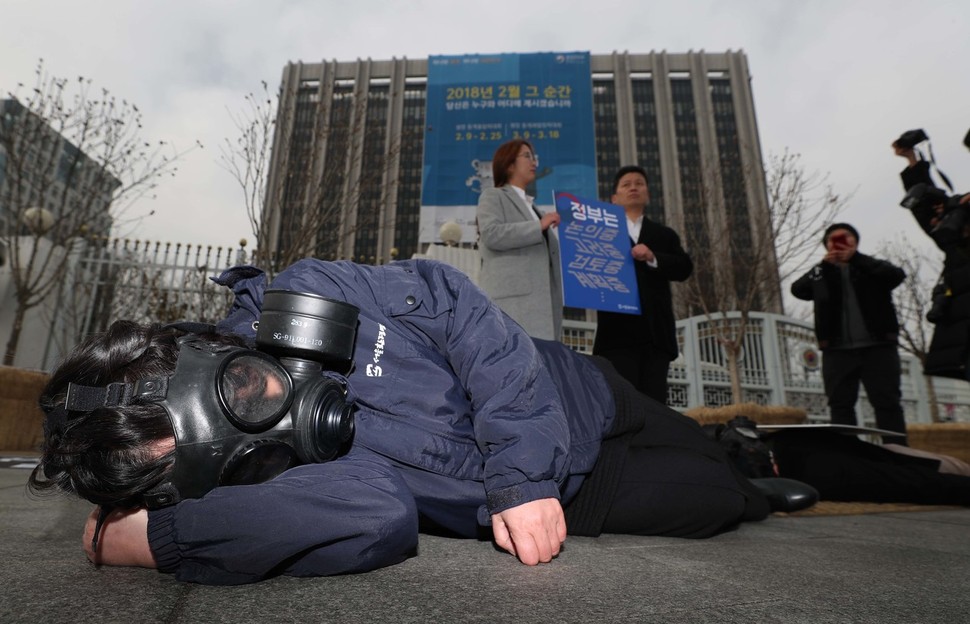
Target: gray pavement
x,y
901,567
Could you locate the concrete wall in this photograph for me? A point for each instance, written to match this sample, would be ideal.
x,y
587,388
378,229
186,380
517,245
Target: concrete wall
x,y
36,338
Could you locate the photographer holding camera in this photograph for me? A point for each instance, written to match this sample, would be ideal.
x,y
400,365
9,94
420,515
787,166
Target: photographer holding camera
x,y
945,219
856,328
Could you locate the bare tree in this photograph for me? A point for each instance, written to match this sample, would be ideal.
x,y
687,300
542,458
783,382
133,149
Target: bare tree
x,y
737,259
141,281
74,161
316,169
913,299
247,156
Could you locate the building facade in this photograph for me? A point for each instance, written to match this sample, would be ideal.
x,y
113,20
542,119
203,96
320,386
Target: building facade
x,y
52,194
42,170
688,119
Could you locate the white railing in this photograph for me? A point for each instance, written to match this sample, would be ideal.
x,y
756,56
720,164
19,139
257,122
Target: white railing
x,y
142,281
780,363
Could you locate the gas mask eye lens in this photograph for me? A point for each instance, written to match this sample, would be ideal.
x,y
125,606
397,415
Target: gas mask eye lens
x,y
255,391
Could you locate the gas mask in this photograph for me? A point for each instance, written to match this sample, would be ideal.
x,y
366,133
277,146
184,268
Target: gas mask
x,y
244,416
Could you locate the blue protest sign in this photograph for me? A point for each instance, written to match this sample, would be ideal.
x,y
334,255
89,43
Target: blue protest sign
x,y
594,247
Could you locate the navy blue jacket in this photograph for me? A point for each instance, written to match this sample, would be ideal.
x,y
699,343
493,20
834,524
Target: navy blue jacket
x,y
462,406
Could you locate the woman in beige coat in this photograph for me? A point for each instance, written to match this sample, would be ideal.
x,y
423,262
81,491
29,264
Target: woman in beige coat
x,y
519,246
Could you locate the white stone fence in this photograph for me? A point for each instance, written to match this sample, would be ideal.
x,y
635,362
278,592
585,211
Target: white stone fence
x,y
145,281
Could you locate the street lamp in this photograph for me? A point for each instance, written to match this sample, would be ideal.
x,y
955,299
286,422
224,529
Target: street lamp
x,y
38,220
450,233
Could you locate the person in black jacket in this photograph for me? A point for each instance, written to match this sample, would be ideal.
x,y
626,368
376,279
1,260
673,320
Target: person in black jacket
x,y
856,328
950,347
641,346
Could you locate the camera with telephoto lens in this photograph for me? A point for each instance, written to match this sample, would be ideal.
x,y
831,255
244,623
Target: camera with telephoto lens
x,y
923,195
927,203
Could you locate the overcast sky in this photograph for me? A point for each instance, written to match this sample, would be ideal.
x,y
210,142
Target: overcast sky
x,y
835,81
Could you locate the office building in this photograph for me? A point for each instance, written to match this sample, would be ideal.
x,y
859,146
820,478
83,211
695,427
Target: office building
x,y
40,170
688,119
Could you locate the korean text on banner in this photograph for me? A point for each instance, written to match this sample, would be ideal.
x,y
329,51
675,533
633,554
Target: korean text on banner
x,y
477,102
597,267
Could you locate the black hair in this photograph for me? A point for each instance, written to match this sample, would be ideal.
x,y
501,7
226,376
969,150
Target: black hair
x,y
839,226
106,455
629,169
504,157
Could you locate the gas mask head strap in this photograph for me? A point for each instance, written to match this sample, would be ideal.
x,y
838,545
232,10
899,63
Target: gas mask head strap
x,y
103,512
192,327
89,398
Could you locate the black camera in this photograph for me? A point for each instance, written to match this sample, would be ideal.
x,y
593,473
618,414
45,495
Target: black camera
x,y
928,204
911,138
924,195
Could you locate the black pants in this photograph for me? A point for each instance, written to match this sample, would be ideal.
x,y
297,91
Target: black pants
x,y
677,482
644,366
844,468
878,369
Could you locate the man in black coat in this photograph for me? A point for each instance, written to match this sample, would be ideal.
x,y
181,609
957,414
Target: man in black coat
x,y
641,346
856,328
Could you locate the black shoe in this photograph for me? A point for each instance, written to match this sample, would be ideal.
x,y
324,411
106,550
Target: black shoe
x,y
786,494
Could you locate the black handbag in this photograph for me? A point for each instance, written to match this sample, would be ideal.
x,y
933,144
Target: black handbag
x,y
742,442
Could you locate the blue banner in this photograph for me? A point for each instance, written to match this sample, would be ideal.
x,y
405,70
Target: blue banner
x,y
594,248
477,102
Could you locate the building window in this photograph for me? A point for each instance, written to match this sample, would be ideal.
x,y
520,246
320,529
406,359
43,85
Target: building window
x,y
648,145
607,134
409,174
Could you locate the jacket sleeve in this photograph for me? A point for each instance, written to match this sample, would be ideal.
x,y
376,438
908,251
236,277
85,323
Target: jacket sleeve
x,y
673,263
881,272
920,172
247,284
518,417
802,288
353,514
499,227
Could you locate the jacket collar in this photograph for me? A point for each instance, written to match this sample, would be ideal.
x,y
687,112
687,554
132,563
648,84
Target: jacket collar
x,y
524,208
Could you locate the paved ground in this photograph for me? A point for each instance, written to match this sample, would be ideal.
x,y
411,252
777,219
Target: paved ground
x,y
14,461
903,567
